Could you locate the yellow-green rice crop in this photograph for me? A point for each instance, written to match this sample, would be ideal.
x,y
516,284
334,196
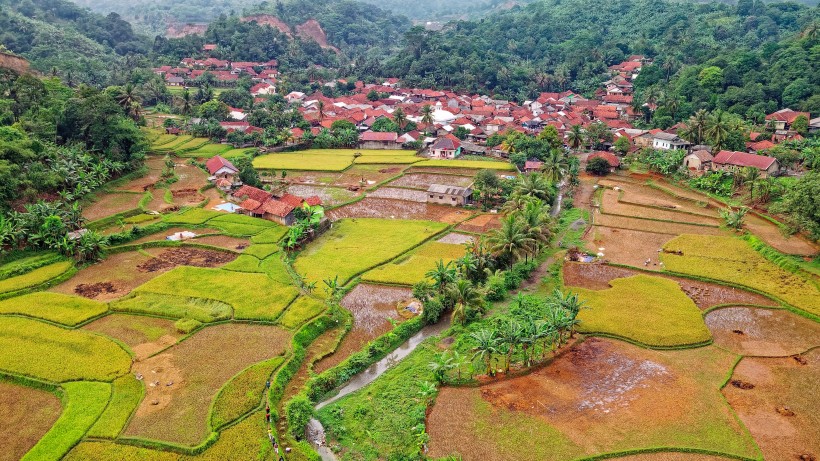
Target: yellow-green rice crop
x,y
252,296
477,164
651,310
126,395
732,260
83,402
353,246
37,349
412,268
243,392
244,263
35,277
168,305
237,224
384,159
272,235
56,307
262,251
192,216
300,311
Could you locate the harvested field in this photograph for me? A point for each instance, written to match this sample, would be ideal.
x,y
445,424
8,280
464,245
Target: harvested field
x,y
466,164
372,306
481,224
399,194
144,335
423,181
161,235
331,196
111,278
782,410
774,237
456,238
371,174
671,228
671,456
111,203
223,241
196,369
27,415
398,209
190,178
154,164
704,294
643,195
600,396
630,247
186,256
611,205
762,332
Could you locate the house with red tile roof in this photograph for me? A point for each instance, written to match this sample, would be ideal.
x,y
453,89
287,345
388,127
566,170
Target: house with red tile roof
x,y
379,140
783,119
220,168
732,161
612,159
446,147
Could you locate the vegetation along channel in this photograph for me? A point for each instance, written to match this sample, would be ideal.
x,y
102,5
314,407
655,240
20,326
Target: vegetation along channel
x,y
360,230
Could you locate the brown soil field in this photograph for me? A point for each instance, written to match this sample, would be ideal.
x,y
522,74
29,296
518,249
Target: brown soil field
x,y
623,246
611,205
155,164
372,174
599,396
27,415
456,238
190,177
762,332
182,382
771,234
111,203
144,335
640,194
781,411
214,198
450,171
671,456
331,196
481,224
399,194
373,307
621,222
160,236
704,294
424,180
186,256
398,209
224,241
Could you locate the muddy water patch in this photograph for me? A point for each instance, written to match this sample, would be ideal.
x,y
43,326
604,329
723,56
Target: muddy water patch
x,y
762,332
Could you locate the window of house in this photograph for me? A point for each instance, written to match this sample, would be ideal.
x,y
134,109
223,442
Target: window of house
x,y
440,197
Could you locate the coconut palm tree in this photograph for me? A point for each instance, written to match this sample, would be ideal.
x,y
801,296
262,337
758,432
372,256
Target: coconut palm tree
x,y
509,335
696,127
466,297
750,176
321,108
537,223
511,240
486,345
555,166
129,101
575,137
718,128
186,102
534,185
427,114
442,275
400,118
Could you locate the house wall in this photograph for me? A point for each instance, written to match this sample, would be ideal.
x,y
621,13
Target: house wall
x,y
447,199
380,145
692,161
444,153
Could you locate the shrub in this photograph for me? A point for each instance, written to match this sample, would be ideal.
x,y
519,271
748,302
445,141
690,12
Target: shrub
x,y
433,309
496,287
299,411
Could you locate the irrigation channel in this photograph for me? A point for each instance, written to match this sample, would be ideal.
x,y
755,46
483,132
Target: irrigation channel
x,y
315,430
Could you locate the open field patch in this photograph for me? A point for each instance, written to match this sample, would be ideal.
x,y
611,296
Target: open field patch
x,y
454,238
481,224
630,247
423,181
192,216
40,350
126,394
186,256
399,194
371,207
762,332
671,228
163,234
704,294
651,310
331,196
413,267
35,277
27,415
318,160
167,305
144,335
610,204
64,309
598,397
206,151
774,236
110,203
373,308
781,410
300,311
368,175
469,164
196,369
243,392
733,260
269,300
349,243
238,224
153,165
387,159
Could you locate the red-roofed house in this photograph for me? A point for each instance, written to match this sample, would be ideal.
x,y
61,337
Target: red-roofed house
x,y
784,118
532,165
727,160
222,170
755,147
612,159
377,140
446,147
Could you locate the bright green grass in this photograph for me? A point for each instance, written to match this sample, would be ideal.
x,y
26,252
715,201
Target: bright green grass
x,y
243,392
244,263
651,310
300,311
126,395
44,351
35,277
207,151
27,264
194,143
272,235
56,307
192,216
84,402
173,144
238,224
385,159
261,250
353,246
163,140
305,161
168,305
412,268
252,296
234,153
477,164
732,260
276,269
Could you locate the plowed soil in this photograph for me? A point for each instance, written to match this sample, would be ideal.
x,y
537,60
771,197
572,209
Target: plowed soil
x,y
196,257
423,181
398,209
481,224
762,332
704,294
27,415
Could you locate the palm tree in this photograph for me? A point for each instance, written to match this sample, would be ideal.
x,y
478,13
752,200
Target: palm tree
x,y
511,239
509,336
575,137
555,166
186,102
427,114
321,107
537,223
534,185
441,275
129,100
400,118
486,342
465,296
717,129
751,176
696,127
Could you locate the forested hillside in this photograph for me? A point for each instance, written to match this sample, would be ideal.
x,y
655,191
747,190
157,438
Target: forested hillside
x,y
58,35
